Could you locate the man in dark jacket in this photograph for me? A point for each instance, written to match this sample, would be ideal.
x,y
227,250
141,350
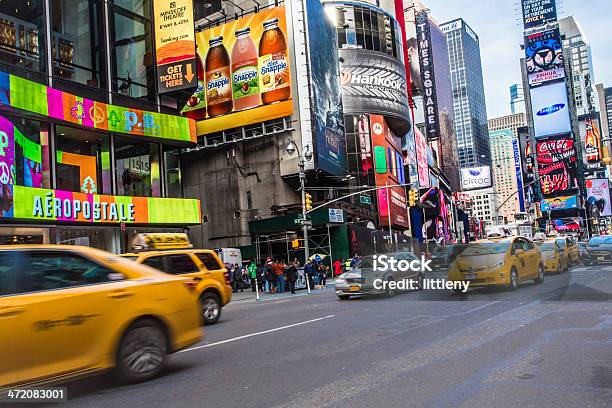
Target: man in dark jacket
x,y
237,274
310,270
291,273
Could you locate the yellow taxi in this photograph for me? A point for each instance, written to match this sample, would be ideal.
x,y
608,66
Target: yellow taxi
x,y
570,249
498,262
553,256
68,311
174,254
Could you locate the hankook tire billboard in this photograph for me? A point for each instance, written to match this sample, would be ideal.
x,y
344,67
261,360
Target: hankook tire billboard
x,y
373,83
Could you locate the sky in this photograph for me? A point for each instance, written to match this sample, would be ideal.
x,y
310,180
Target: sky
x,y
498,25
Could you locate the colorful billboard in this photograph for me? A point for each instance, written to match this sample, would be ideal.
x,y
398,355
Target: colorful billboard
x,y
557,167
33,97
243,73
559,203
544,57
7,167
328,121
527,164
421,156
590,135
174,44
374,82
388,171
37,204
475,178
550,107
518,173
428,80
598,198
538,12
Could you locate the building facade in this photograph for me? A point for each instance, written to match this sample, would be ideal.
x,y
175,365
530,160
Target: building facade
x,y
468,94
503,132
517,99
91,152
484,203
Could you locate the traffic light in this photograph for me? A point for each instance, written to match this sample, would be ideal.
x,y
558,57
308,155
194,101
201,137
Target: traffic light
x,y
295,244
308,202
412,197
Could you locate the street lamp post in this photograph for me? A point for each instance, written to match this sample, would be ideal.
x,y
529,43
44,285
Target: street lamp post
x,y
292,148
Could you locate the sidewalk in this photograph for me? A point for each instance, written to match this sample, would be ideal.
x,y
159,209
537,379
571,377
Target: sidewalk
x,y
248,295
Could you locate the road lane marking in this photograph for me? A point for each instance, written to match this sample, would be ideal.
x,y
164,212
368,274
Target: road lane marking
x,y
256,334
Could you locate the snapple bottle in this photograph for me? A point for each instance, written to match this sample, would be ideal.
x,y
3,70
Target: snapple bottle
x,y
245,75
218,88
273,64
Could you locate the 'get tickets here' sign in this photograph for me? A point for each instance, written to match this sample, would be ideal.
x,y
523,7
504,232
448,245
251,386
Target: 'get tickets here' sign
x,y
175,45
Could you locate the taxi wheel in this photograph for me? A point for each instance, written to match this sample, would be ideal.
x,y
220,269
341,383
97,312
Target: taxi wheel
x,y
343,297
540,278
211,308
513,279
142,352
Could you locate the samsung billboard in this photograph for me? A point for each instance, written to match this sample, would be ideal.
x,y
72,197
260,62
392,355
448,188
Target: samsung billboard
x,y
550,108
475,178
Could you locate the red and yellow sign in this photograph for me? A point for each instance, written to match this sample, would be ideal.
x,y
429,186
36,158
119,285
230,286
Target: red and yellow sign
x,y
175,44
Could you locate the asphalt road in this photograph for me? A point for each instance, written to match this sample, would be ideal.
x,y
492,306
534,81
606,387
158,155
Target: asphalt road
x,y
546,345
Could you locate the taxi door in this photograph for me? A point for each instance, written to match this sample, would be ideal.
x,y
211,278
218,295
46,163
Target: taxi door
x,y
70,308
522,259
10,312
532,258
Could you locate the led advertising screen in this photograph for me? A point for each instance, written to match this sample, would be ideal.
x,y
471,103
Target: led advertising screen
x,y
550,109
244,75
175,45
538,12
475,178
388,171
557,165
421,155
518,173
590,136
598,198
559,203
544,57
328,123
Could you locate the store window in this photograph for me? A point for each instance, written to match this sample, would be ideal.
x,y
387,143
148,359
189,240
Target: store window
x,y
82,161
77,32
131,44
173,173
139,7
137,168
22,34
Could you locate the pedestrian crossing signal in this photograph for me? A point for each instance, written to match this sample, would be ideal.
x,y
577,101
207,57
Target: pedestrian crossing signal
x,y
308,202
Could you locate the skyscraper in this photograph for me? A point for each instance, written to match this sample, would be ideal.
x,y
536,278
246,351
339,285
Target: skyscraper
x,y
517,99
468,94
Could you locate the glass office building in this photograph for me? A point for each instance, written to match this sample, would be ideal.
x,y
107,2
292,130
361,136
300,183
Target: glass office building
x,y
468,94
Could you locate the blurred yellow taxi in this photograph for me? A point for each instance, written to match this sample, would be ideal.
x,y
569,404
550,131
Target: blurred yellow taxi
x,y
173,254
553,257
570,249
68,311
501,262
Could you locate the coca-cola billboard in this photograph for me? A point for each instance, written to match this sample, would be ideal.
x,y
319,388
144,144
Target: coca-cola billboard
x,y
557,165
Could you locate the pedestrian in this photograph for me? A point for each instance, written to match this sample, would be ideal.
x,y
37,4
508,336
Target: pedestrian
x,y
279,270
261,277
291,273
253,275
354,260
270,278
321,278
309,272
237,274
338,267
347,265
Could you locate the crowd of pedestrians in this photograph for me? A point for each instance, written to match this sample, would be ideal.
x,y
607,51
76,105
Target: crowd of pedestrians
x,y
275,276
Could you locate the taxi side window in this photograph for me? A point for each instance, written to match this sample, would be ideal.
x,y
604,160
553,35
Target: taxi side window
x,y
561,243
209,261
156,262
516,245
527,246
180,263
50,270
8,273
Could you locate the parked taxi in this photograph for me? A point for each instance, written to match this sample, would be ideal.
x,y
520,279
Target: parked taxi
x,y
69,311
498,262
174,254
554,257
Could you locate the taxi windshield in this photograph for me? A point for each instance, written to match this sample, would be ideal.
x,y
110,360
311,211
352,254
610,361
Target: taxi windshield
x,y
486,248
547,246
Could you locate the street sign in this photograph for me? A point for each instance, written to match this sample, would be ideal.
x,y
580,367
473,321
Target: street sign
x,y
365,199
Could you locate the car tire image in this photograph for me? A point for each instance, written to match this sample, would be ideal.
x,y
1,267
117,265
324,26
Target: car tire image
x,y
211,308
142,352
540,278
513,285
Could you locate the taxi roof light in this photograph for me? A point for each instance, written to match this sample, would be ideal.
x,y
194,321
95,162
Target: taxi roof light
x,y
157,241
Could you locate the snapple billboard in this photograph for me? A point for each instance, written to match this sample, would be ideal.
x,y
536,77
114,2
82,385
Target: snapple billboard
x,y
243,73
